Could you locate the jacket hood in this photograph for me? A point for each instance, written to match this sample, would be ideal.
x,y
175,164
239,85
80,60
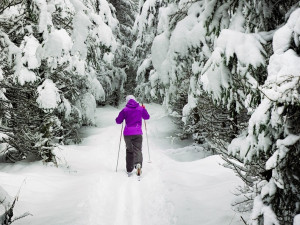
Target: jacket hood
x,y
132,104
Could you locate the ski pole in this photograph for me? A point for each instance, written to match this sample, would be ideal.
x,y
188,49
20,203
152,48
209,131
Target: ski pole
x,y
119,148
147,141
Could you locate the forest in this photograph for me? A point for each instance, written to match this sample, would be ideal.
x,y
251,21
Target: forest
x,y
226,71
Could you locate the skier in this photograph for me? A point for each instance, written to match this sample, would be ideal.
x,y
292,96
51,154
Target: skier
x,y
133,114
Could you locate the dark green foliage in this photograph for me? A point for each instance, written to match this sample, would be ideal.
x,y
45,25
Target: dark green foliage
x,y
286,201
31,131
209,122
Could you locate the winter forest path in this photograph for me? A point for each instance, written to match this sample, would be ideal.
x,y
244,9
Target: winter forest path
x,y
178,187
121,200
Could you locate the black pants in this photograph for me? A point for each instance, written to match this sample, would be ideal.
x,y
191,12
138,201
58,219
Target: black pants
x,y
133,151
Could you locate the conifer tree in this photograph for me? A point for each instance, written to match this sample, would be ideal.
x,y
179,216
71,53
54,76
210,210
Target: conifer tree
x,y
54,67
210,62
145,29
270,145
125,12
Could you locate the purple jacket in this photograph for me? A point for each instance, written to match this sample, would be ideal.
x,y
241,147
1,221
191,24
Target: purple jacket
x,y
133,114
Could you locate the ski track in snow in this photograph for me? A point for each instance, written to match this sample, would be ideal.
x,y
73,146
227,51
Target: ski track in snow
x,y
88,191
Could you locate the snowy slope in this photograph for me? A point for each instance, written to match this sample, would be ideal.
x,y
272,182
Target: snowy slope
x,y
86,190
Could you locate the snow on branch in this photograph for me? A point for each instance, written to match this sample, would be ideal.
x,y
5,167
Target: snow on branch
x,y
248,51
270,139
49,97
247,47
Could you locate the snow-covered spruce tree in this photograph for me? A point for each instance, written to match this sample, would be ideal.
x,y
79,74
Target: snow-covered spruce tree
x,y
104,48
251,76
202,25
145,30
191,41
29,128
231,74
183,42
52,61
219,52
244,78
234,38
270,145
125,11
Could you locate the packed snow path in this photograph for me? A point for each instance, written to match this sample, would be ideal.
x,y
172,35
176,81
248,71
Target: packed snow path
x,y
178,187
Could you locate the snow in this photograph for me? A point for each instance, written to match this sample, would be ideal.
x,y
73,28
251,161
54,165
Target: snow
x,y
78,5
281,86
108,58
29,49
79,65
81,23
104,34
269,216
87,107
256,211
106,14
283,76
283,36
238,20
281,39
192,101
26,76
282,150
14,52
248,146
85,188
59,42
142,69
239,146
5,198
182,35
164,13
297,220
260,209
216,78
48,95
66,107
269,189
189,153
148,5
247,47
159,51
288,141
259,116
97,89
44,17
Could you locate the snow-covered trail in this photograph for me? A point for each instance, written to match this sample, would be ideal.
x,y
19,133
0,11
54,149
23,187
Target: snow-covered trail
x,y
88,191
117,199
